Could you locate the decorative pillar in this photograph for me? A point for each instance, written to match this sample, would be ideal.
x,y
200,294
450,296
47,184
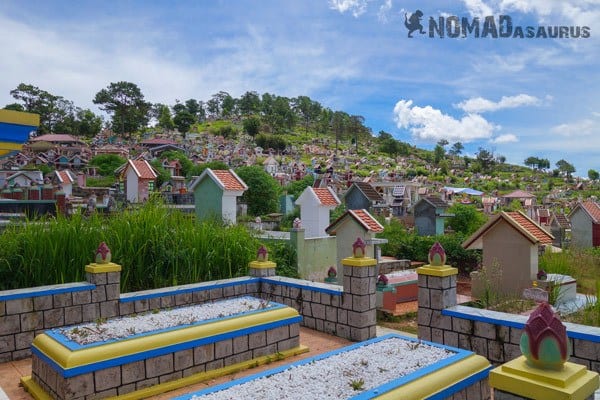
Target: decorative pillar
x,y
47,192
297,235
106,275
542,372
360,300
262,267
33,193
61,202
437,291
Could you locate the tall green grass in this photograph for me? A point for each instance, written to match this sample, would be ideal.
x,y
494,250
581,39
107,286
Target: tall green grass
x,y
156,247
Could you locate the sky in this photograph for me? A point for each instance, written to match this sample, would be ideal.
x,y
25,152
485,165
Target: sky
x,y
515,96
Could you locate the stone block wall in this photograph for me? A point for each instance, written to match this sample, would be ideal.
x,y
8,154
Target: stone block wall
x,y
491,334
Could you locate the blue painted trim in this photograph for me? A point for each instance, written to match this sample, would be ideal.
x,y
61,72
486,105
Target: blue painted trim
x,y
187,290
590,337
459,355
465,383
45,292
489,320
74,346
300,286
84,369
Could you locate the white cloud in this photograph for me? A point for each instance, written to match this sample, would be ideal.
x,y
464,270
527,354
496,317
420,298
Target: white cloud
x,y
356,7
384,10
584,127
506,138
477,8
428,123
480,105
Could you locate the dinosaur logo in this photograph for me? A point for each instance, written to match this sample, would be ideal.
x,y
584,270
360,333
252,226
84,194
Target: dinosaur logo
x,y
414,23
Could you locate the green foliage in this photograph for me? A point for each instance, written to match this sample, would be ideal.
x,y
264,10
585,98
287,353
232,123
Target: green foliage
x,y
228,131
285,256
467,219
295,188
271,142
251,125
593,175
186,163
197,169
101,181
107,163
125,101
183,120
262,195
404,245
157,247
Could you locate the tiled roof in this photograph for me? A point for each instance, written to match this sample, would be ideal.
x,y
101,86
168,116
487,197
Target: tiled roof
x,y
398,191
367,220
534,229
519,221
325,197
64,176
368,190
544,212
156,141
562,220
142,169
229,180
55,137
592,208
362,217
436,202
518,194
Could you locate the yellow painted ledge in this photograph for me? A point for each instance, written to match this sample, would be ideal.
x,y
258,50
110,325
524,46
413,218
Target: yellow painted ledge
x,y
95,268
91,355
19,118
359,262
573,382
437,381
442,271
262,264
39,394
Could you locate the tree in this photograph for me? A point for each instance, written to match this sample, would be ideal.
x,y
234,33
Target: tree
x,y
164,117
565,167
466,219
87,123
486,159
456,149
14,107
107,163
125,101
339,123
442,142
183,120
263,190
249,103
307,109
438,154
531,161
186,163
251,125
197,169
593,175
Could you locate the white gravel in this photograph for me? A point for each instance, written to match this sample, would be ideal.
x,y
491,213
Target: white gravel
x,y
332,378
136,324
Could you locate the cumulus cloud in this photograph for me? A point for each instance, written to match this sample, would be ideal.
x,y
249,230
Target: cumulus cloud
x,y
384,9
506,138
584,127
356,7
480,105
428,123
478,8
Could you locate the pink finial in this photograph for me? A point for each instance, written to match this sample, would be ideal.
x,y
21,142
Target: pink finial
x,y
358,248
437,255
103,254
544,342
263,254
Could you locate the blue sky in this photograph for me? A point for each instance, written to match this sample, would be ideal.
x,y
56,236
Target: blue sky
x,y
517,97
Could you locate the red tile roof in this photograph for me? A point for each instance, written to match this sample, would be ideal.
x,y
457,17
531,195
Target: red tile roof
x,y
56,137
142,169
64,176
362,217
326,197
592,208
367,220
534,229
229,180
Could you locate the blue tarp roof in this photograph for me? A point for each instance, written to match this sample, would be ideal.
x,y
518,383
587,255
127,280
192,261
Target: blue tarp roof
x,y
469,191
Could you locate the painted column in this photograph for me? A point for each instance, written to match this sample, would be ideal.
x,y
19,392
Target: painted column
x,y
542,372
262,267
106,275
437,291
360,299
297,236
